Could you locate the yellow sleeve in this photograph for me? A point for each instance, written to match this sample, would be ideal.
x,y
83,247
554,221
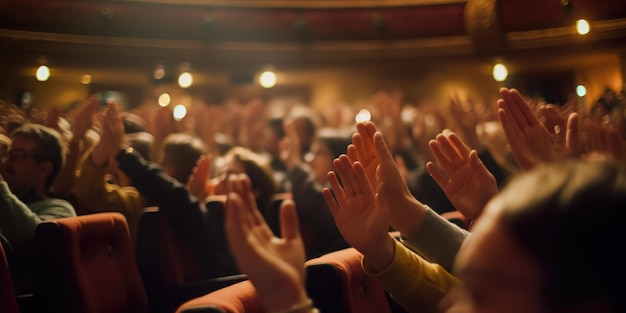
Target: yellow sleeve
x,y
414,283
96,195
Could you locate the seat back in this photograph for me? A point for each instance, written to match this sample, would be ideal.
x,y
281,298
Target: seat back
x,y
8,302
86,264
237,298
273,216
170,270
336,282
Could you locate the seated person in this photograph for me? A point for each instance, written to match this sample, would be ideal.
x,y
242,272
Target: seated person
x,y
541,245
187,215
28,168
307,177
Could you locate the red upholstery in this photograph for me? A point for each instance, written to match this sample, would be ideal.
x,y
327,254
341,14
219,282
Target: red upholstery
x,y
342,270
87,264
238,298
8,303
170,270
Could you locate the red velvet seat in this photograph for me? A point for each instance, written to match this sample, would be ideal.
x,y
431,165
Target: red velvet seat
x,y
171,272
237,298
337,283
87,264
8,302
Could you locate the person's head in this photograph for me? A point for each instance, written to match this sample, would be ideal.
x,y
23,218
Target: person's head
x,y
550,242
180,154
274,133
327,145
240,160
306,128
142,142
34,158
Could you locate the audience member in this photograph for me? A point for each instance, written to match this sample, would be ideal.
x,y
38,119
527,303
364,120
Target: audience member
x,y
307,177
187,215
28,169
542,252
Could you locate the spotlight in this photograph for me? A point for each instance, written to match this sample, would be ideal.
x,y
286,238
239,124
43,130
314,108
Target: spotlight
x,y
43,73
500,72
582,27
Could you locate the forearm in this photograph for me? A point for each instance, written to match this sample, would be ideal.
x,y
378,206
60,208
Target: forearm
x,y
17,221
415,284
437,240
407,216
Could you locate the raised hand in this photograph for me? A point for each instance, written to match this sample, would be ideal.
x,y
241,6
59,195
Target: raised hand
x,y
52,118
83,120
603,141
112,137
275,266
531,142
461,175
354,210
362,150
199,180
369,148
467,120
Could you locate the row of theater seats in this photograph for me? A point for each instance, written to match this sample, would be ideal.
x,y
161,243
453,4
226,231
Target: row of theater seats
x,y
87,264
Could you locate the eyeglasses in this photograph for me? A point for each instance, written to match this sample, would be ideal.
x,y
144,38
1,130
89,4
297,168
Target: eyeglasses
x,y
17,155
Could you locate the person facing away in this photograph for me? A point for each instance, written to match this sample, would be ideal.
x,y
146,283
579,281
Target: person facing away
x,y
28,169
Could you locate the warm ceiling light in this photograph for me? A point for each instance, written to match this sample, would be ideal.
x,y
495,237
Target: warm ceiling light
x,y
364,115
85,80
500,72
43,73
159,72
164,99
267,79
180,111
581,90
185,80
582,27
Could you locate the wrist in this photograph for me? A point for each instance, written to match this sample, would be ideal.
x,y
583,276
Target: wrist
x,y
381,255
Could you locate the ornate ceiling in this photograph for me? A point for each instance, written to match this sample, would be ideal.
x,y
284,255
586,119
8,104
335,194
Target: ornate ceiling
x,y
232,32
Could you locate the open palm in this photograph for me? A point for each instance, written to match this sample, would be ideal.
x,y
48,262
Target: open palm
x,y
464,179
363,224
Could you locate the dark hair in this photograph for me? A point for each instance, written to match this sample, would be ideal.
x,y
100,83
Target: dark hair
x,y
133,123
570,220
183,150
258,170
276,125
142,142
50,146
336,140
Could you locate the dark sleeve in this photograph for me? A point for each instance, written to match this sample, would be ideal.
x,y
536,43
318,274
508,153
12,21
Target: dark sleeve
x,y
186,215
317,224
492,165
424,188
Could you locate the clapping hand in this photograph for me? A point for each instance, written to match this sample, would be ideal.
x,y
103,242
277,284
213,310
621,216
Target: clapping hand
x,y
199,180
462,176
275,266
531,142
